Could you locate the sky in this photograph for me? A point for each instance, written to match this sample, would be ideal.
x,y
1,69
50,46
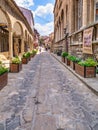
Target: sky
x,y
43,14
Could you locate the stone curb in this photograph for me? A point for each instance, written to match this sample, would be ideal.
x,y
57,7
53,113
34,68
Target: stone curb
x,y
79,77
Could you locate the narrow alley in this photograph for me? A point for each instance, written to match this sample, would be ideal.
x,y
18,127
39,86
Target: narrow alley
x,y
46,96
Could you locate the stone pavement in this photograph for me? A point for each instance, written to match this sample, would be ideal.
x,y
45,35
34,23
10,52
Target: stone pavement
x,y
91,83
47,96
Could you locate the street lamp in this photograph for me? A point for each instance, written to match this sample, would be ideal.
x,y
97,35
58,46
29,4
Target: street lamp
x,y
66,39
65,33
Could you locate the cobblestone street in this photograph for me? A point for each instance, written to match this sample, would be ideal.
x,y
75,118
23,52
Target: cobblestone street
x,y
47,96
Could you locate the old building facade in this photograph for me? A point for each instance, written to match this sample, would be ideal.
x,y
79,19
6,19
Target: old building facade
x,y
59,23
36,38
51,36
16,34
76,27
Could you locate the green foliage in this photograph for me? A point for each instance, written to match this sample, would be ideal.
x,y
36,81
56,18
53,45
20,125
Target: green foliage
x,y
97,68
97,71
34,52
64,54
3,69
16,60
77,60
73,58
26,55
70,57
88,62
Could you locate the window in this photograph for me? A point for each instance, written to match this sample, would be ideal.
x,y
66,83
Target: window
x,y
66,14
19,41
80,10
4,40
96,11
25,47
88,11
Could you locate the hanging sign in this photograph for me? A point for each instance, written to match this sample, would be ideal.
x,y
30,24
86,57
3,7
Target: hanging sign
x,y
87,41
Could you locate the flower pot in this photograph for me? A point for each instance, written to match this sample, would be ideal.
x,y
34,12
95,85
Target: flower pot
x,y
84,71
63,59
3,80
32,55
25,60
14,68
29,58
72,65
67,61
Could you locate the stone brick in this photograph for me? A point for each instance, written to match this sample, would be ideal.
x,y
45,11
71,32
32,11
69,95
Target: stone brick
x,y
12,123
95,127
2,126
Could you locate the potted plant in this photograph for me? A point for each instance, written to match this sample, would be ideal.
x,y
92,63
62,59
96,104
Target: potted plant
x,y
3,75
16,65
86,68
67,61
33,53
63,55
26,57
73,61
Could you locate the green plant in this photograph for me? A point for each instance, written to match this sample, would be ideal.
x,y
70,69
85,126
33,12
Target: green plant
x,y
64,54
77,60
26,55
34,52
16,60
70,57
3,69
97,71
73,58
88,62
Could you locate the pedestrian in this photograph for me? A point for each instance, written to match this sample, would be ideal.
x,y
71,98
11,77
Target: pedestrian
x,y
40,49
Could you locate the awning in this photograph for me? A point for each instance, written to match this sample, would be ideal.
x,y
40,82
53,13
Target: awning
x,y
3,25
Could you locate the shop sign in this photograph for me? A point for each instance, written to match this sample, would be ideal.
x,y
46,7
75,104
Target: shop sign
x,y
87,41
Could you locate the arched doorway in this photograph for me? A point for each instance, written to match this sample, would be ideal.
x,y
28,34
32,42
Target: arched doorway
x,y
17,39
5,26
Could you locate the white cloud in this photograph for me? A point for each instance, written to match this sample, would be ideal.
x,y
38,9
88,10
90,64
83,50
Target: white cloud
x,y
41,11
44,10
25,3
44,29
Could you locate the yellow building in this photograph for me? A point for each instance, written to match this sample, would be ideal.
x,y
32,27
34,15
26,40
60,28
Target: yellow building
x,y
76,27
60,22
16,34
51,36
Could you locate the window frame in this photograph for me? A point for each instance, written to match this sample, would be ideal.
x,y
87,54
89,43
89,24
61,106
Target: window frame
x,y
4,40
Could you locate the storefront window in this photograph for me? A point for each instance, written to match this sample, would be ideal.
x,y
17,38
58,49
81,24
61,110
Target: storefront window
x,y
4,40
80,10
96,11
19,41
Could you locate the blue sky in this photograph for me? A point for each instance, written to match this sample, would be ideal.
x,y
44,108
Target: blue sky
x,y
43,14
